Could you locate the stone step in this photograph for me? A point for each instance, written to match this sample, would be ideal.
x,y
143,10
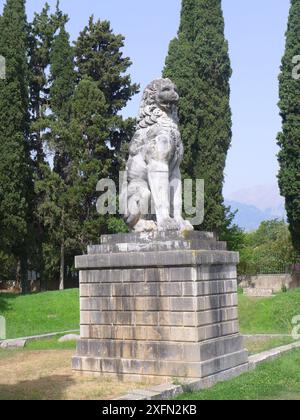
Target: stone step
x,y
155,350
176,258
157,246
146,367
148,237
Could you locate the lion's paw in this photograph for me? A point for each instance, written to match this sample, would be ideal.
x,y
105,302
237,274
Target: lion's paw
x,y
168,224
184,225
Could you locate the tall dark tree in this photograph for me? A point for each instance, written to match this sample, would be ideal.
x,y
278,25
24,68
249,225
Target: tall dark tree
x,y
82,158
15,177
63,78
42,33
198,62
289,138
98,54
84,131
52,187
41,36
103,78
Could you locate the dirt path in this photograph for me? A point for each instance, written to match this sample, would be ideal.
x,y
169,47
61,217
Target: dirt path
x,y
46,375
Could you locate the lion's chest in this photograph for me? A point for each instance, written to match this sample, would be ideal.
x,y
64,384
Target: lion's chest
x,y
166,142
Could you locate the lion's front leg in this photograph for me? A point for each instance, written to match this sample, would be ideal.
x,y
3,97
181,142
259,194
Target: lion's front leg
x,y
158,176
176,200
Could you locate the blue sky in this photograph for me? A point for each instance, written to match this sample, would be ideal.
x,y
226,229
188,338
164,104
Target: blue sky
x,y
255,30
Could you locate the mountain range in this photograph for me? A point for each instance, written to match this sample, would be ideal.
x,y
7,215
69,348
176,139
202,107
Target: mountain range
x,y
255,205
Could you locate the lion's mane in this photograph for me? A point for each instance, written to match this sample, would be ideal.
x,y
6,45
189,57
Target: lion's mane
x,y
149,114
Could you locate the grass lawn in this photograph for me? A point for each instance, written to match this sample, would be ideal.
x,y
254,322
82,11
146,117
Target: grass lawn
x,y
59,311
277,380
40,313
269,315
256,345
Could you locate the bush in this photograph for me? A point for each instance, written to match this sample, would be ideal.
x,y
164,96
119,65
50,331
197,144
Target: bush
x,y
268,250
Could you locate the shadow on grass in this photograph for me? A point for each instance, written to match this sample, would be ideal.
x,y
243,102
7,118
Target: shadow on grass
x,y
46,388
5,301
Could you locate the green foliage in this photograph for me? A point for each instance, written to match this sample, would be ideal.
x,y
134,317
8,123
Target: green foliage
x,y
84,132
15,177
288,139
7,264
42,32
235,238
198,62
49,104
91,159
54,208
98,54
269,249
62,75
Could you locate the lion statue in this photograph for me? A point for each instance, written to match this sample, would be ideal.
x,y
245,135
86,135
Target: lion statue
x,y
153,167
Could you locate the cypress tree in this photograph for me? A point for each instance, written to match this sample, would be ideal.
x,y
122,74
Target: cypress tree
x,y
62,76
15,178
54,210
41,36
289,138
198,62
42,32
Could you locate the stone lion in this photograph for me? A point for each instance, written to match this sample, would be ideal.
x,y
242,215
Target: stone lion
x,y
153,167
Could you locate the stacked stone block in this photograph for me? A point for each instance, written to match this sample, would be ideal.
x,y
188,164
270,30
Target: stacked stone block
x,y
155,307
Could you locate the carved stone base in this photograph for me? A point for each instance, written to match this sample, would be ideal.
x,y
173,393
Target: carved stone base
x,y
158,306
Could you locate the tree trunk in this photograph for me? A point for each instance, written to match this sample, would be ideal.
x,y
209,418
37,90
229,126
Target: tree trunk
x,y
62,266
24,274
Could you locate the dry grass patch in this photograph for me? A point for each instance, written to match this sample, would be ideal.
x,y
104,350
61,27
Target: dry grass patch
x,y
47,375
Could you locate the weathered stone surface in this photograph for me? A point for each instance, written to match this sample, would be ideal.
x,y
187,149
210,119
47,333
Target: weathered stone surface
x,y
164,289
69,337
252,292
155,259
159,275
157,246
216,316
150,237
176,351
162,314
153,168
177,334
13,344
161,368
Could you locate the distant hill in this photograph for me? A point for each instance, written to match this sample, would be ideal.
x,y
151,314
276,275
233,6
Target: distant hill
x,y
256,205
250,217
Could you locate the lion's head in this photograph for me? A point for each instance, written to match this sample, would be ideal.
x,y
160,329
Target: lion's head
x,y
160,96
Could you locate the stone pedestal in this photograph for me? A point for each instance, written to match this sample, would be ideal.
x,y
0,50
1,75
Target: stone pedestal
x,y
158,307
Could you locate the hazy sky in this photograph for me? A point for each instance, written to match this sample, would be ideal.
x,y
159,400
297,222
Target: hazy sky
x,y
255,30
